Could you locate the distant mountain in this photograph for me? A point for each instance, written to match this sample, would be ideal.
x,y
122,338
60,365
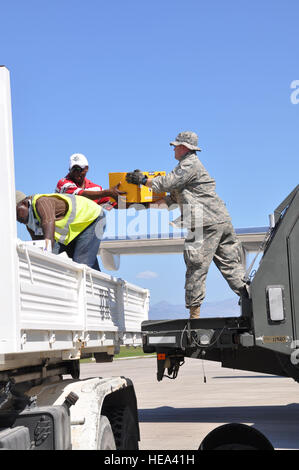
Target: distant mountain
x,y
165,310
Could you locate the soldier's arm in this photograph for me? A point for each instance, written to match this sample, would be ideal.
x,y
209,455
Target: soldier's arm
x,y
182,174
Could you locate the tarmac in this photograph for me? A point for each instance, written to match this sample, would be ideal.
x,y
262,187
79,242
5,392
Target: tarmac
x,y
178,414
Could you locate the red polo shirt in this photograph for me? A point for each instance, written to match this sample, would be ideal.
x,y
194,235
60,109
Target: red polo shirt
x,y
67,186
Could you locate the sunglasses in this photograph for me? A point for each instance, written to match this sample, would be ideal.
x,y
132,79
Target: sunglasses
x,y
77,168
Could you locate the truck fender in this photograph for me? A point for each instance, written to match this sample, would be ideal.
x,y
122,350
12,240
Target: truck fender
x,y
97,398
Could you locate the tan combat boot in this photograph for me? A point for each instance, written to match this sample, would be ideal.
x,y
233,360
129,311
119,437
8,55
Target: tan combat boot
x,y
194,312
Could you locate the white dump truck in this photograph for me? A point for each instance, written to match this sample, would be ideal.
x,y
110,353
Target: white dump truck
x,y
53,313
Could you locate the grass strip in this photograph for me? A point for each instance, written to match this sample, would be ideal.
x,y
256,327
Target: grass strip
x,y
125,352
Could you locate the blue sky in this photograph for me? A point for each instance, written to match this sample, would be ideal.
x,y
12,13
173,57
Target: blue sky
x,y
118,80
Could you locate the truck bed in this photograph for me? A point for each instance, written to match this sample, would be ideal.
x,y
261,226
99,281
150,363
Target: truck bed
x,y
65,309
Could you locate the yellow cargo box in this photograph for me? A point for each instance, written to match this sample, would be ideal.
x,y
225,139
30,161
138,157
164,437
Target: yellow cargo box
x,y
136,193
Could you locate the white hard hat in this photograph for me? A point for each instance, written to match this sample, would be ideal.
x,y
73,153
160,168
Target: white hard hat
x,y
78,159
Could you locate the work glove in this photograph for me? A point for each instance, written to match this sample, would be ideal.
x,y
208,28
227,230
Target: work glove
x,y
136,177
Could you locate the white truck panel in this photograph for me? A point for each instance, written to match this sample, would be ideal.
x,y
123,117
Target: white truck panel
x,y
9,278
66,306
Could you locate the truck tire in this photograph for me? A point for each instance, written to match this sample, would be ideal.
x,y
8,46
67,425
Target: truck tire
x,y
124,428
235,436
106,438
74,369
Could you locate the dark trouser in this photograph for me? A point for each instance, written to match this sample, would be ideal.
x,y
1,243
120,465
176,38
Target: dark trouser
x,y
84,248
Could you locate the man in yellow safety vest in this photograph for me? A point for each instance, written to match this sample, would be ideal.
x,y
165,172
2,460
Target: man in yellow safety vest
x,y
75,222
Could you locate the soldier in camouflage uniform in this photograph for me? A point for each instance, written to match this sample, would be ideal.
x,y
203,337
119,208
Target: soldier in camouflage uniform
x,y
211,235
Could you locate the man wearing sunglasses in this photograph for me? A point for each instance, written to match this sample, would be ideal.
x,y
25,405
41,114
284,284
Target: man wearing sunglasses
x,y
75,182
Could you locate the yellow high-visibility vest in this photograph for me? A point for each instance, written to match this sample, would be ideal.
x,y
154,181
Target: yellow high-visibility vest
x,y
80,214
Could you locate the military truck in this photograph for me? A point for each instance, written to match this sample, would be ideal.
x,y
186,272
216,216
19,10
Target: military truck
x,y
264,338
55,312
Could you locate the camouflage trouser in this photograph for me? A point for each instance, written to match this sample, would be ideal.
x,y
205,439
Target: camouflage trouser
x,y
220,244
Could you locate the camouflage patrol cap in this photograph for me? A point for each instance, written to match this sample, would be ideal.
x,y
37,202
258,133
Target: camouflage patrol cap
x,y
188,139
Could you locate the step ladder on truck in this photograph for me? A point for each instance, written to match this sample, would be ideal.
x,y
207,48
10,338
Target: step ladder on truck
x,y
55,312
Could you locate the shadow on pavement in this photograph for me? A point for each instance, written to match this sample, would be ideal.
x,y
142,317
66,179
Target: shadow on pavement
x,y
278,423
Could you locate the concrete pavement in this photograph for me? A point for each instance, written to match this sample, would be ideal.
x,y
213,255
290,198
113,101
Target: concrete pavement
x,y
178,414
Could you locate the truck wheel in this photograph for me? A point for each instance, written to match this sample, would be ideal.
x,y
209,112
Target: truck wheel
x,y
235,436
74,369
106,438
124,428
